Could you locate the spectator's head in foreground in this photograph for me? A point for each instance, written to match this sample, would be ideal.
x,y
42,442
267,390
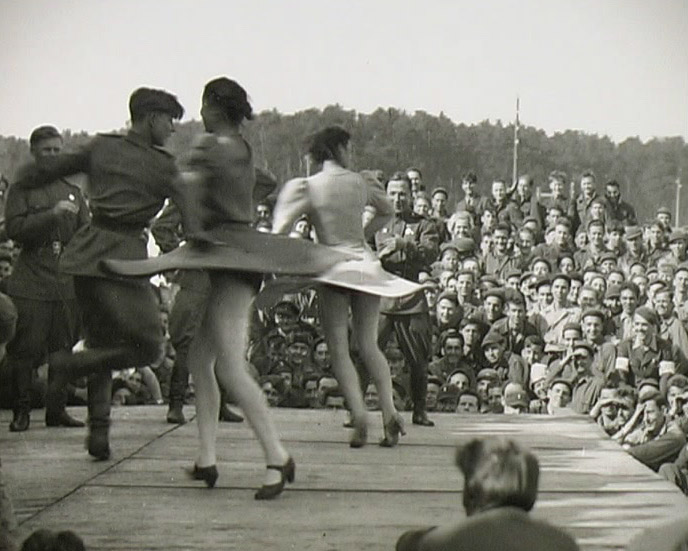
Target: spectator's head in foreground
x,y
497,473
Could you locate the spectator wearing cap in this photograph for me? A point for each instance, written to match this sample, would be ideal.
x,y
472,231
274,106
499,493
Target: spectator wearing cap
x,y
486,379
472,202
448,398
646,354
680,285
586,385
607,262
571,334
648,436
671,329
663,217
617,209
448,261
590,255
515,327
677,249
492,309
509,366
298,352
604,352
514,399
439,197
512,279
607,410
677,387
635,250
450,346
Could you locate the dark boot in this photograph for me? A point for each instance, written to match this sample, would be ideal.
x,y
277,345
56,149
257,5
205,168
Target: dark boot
x,y
420,417
175,415
99,397
62,419
98,442
20,421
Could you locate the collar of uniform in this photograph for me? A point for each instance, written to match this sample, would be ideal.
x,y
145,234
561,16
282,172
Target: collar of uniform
x,y
136,138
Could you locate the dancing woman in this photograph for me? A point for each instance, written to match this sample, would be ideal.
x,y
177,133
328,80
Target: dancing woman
x,y
222,241
335,200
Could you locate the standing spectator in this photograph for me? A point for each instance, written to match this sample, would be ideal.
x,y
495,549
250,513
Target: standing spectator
x,y
473,202
580,209
415,178
406,245
616,209
42,218
527,202
558,199
506,211
501,259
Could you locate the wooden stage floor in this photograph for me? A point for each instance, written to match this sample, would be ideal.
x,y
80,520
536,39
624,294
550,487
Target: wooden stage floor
x,y
343,499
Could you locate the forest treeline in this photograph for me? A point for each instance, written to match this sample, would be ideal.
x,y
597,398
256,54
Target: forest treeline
x,y
392,139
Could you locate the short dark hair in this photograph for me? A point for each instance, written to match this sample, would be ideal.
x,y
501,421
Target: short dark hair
x,y
399,176
470,177
588,174
414,169
497,473
323,145
149,100
43,133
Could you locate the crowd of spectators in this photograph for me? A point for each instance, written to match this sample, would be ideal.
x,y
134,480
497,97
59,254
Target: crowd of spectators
x,y
541,303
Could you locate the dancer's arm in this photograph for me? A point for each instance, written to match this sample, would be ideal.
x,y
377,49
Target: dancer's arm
x,y
381,205
49,169
292,202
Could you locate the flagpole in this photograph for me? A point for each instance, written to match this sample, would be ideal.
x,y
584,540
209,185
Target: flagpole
x,y
516,125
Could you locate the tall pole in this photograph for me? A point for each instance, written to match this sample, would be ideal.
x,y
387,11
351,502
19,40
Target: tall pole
x,y
515,169
678,199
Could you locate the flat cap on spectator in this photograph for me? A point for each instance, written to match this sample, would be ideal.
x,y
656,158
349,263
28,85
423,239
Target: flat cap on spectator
x,y
538,371
487,373
604,257
448,295
515,297
583,345
576,276
648,314
682,267
474,320
497,292
542,281
437,190
561,381
677,235
525,276
490,280
493,337
633,232
613,291
561,275
593,312
572,325
512,272
449,245
528,219
448,393
515,395
464,244
664,210
541,259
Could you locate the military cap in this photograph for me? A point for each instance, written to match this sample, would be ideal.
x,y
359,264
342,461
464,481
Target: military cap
x,y
448,393
682,267
540,259
561,275
664,210
633,232
572,325
583,344
648,314
512,272
449,245
487,373
493,337
561,381
649,381
531,219
474,320
497,292
609,255
593,312
464,244
492,280
534,340
613,291
542,281
524,276
514,296
677,235
515,395
439,189
448,295
576,276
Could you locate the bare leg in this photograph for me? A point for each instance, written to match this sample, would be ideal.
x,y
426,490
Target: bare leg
x,y
228,319
334,317
151,382
201,361
366,310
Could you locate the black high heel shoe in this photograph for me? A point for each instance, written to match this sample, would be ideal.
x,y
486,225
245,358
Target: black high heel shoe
x,y
359,438
393,429
208,474
288,474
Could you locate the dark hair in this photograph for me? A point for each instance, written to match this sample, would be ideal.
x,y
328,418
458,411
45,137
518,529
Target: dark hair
x,y
47,540
470,177
588,174
497,473
558,175
230,97
148,100
528,178
43,133
414,169
612,183
399,177
324,145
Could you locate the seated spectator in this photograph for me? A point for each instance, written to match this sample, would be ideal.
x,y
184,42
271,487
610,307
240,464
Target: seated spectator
x,y
538,388
607,411
677,387
558,397
371,398
648,436
310,390
486,379
448,398
433,390
500,488
510,367
272,386
468,402
514,399
460,379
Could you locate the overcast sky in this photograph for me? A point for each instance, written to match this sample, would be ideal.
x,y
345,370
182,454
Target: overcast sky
x,y
615,67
